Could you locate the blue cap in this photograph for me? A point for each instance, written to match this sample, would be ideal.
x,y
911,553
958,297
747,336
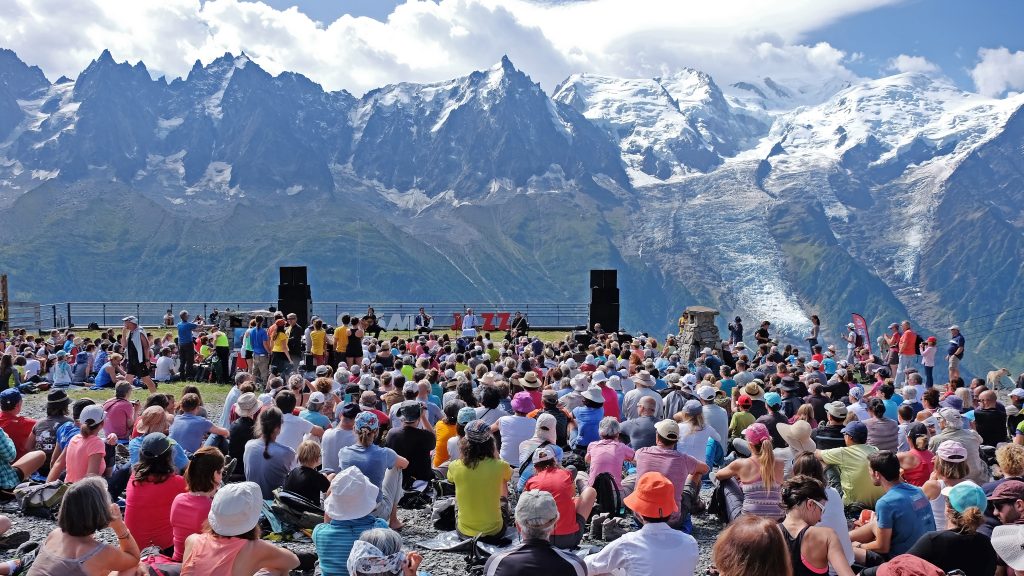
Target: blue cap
x,y
965,495
772,399
856,430
9,398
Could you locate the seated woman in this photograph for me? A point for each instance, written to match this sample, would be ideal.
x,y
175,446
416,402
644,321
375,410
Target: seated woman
x,y
760,478
573,510
85,453
203,476
383,466
812,548
230,544
544,435
109,372
481,481
751,546
151,491
378,552
834,516
348,512
609,453
71,549
267,462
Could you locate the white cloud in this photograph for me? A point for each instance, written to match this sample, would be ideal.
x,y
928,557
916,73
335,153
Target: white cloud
x,y
998,71
432,41
919,64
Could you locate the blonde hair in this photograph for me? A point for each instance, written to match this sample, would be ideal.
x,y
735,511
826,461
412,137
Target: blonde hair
x,y
806,413
308,453
1010,458
951,470
966,522
766,461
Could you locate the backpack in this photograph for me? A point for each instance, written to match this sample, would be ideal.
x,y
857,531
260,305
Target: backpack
x,y
292,509
40,500
609,497
442,514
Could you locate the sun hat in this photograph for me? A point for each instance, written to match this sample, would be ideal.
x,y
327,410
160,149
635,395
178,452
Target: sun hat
x,y
594,395
951,451
411,412
744,401
674,379
236,508
953,402
692,407
598,376
615,383
856,430
1018,392
92,415
1008,541
155,444
798,436
837,409
57,397
579,382
909,565
753,390
952,417
536,508
522,402
740,346
478,431
466,415
1008,491
246,405
352,495
965,495
549,397
654,497
668,429
756,433
367,421
9,398
644,378
706,393
772,399
530,380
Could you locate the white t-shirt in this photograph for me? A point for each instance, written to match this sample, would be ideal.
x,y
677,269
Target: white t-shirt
x,y
695,442
164,365
31,367
293,430
454,453
514,429
333,441
834,518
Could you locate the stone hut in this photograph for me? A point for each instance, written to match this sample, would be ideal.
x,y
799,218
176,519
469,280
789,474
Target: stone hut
x,y
697,330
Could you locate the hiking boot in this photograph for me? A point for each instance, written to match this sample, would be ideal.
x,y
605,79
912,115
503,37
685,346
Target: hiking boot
x,y
595,525
613,528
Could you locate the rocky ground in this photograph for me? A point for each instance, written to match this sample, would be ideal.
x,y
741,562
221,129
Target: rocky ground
x,y
417,522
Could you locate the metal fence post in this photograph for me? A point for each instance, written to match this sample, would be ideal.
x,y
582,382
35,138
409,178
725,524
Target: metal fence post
x,y
138,313
69,314
104,314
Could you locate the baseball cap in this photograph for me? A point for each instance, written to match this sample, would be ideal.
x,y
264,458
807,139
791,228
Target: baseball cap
x,y
536,509
668,429
955,327
1008,490
965,495
952,417
131,319
410,387
9,398
951,451
543,454
756,433
155,444
706,393
744,401
837,409
692,407
351,410
1018,392
92,415
317,397
323,370
856,430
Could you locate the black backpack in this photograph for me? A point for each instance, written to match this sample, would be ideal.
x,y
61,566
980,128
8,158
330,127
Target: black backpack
x,y
609,497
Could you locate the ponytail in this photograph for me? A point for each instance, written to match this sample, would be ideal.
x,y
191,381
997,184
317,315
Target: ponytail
x,y
366,436
269,423
766,460
968,521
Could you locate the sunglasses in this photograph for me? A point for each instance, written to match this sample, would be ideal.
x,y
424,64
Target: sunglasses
x,y
819,505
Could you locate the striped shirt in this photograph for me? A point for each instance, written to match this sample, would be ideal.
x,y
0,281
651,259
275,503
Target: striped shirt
x,y
334,542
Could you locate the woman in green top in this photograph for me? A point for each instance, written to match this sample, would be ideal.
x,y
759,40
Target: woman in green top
x,y
481,481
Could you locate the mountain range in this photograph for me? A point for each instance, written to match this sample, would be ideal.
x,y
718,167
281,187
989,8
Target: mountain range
x,y
898,197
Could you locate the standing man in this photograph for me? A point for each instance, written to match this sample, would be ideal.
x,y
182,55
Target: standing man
x,y
469,323
851,341
186,346
295,333
137,350
260,352
955,352
908,352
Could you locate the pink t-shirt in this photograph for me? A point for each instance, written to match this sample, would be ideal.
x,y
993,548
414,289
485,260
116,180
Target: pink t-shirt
x,y
188,512
611,403
120,416
147,511
76,457
607,455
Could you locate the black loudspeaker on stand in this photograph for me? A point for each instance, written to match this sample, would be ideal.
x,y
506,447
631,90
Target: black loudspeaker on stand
x,y
294,295
604,300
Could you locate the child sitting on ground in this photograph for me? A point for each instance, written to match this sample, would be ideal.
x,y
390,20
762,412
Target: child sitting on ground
x,y
305,480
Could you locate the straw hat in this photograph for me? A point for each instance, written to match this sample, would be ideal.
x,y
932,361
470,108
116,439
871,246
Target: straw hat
x,y
798,436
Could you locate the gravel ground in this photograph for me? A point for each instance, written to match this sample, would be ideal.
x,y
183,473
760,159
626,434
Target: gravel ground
x,y
417,522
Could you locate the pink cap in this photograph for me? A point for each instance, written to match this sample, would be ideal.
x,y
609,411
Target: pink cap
x,y
952,451
756,433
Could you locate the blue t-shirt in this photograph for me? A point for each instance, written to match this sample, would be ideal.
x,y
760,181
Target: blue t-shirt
x,y
906,511
373,461
185,332
334,541
103,378
189,430
257,339
66,432
316,419
955,343
727,385
587,419
180,458
829,364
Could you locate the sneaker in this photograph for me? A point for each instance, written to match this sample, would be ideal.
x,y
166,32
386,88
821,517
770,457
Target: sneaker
x,y
595,525
613,528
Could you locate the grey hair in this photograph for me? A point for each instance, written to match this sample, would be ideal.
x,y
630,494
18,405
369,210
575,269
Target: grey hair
x,y
85,509
385,539
609,427
241,377
537,533
915,378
